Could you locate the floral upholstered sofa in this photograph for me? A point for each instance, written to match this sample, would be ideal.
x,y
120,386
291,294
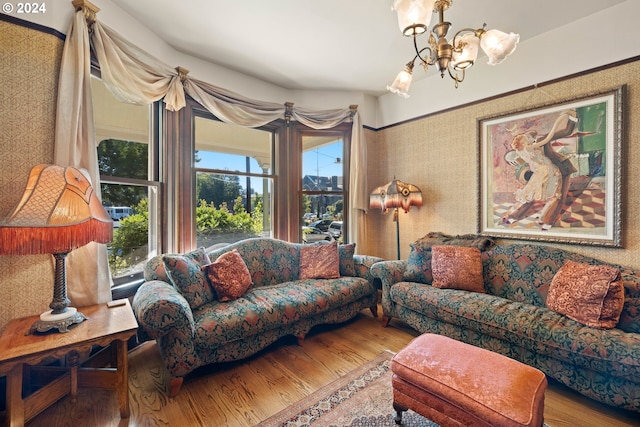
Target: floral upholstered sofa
x,y
510,313
292,287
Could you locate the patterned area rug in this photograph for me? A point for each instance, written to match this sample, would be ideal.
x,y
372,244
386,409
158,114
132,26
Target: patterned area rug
x,y
363,398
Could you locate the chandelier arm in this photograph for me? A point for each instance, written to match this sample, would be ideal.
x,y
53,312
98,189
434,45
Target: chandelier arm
x,y
430,60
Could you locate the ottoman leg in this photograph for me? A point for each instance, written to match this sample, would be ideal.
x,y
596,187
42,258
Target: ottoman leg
x,y
399,410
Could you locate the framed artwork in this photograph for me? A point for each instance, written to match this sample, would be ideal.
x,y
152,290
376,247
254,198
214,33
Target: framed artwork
x,y
553,172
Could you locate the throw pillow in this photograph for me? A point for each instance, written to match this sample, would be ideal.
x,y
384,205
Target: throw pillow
x,y
229,276
186,276
347,265
418,268
590,294
457,267
319,261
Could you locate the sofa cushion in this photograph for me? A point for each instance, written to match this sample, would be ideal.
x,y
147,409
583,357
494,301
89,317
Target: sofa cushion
x,y
457,267
229,276
270,261
186,276
524,325
319,261
589,294
270,307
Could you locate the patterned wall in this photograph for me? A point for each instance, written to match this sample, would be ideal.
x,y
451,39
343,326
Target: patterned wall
x,y
29,65
439,154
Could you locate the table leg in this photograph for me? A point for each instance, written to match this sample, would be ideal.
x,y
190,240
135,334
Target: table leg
x,y
73,359
15,404
122,381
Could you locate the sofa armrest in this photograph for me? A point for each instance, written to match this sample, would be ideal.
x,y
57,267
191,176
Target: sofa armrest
x,y
161,309
388,272
363,265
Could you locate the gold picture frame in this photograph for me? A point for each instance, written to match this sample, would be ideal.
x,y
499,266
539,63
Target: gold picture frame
x,y
553,172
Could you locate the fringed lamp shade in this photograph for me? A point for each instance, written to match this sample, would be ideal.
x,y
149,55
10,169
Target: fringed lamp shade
x,y
395,194
58,212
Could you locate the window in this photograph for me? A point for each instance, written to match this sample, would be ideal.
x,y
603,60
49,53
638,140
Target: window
x,y
127,151
234,181
324,190
226,182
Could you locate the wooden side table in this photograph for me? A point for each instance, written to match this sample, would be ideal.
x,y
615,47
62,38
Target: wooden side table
x,y
105,325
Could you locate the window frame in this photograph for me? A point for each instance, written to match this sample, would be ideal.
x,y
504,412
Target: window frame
x,y
125,286
341,131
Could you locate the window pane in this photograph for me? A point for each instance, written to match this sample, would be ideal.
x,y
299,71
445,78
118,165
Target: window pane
x,y
133,218
233,182
323,189
123,133
230,147
223,212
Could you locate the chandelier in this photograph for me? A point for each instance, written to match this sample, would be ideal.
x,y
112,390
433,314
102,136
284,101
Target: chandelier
x,y
414,17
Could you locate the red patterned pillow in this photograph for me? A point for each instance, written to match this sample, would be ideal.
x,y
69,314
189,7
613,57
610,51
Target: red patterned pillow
x,y
229,276
590,294
457,267
319,261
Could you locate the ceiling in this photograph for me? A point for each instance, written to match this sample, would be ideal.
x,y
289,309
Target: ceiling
x,y
350,45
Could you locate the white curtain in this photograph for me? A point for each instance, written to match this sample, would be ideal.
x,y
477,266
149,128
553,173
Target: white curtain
x,y
134,76
88,278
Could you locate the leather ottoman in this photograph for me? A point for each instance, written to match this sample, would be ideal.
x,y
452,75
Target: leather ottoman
x,y
457,384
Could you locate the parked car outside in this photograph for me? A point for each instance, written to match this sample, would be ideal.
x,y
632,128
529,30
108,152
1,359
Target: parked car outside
x,y
335,229
308,217
321,224
313,234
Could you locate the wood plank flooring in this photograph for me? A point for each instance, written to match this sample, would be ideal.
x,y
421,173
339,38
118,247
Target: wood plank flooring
x,y
246,392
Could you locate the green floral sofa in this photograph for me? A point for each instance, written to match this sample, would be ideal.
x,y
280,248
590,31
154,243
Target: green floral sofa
x,y
511,318
277,304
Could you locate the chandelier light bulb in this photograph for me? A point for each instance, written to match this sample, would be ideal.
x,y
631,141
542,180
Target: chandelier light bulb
x,y
469,43
498,45
402,82
414,16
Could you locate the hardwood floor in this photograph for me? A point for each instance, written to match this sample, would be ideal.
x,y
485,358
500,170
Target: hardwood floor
x,y
246,392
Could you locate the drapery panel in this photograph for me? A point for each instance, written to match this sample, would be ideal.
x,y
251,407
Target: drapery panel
x,y
134,76
87,267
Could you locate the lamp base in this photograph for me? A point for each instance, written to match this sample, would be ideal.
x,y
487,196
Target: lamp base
x,y
60,321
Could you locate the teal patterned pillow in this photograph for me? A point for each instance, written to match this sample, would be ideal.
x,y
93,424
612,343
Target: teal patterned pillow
x,y
347,266
187,277
418,267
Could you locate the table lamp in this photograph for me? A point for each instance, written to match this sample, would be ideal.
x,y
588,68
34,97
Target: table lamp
x,y
59,211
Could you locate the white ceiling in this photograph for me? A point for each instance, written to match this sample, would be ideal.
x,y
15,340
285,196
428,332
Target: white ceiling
x,y
330,44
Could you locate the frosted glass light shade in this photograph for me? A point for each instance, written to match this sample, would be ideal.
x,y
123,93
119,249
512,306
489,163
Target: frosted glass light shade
x,y
401,84
414,16
466,58
498,45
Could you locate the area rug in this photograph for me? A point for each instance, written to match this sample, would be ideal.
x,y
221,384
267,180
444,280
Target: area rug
x,y
363,397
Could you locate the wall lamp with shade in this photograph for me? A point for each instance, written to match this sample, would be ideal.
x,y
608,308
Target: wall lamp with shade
x,y
59,211
453,57
393,195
